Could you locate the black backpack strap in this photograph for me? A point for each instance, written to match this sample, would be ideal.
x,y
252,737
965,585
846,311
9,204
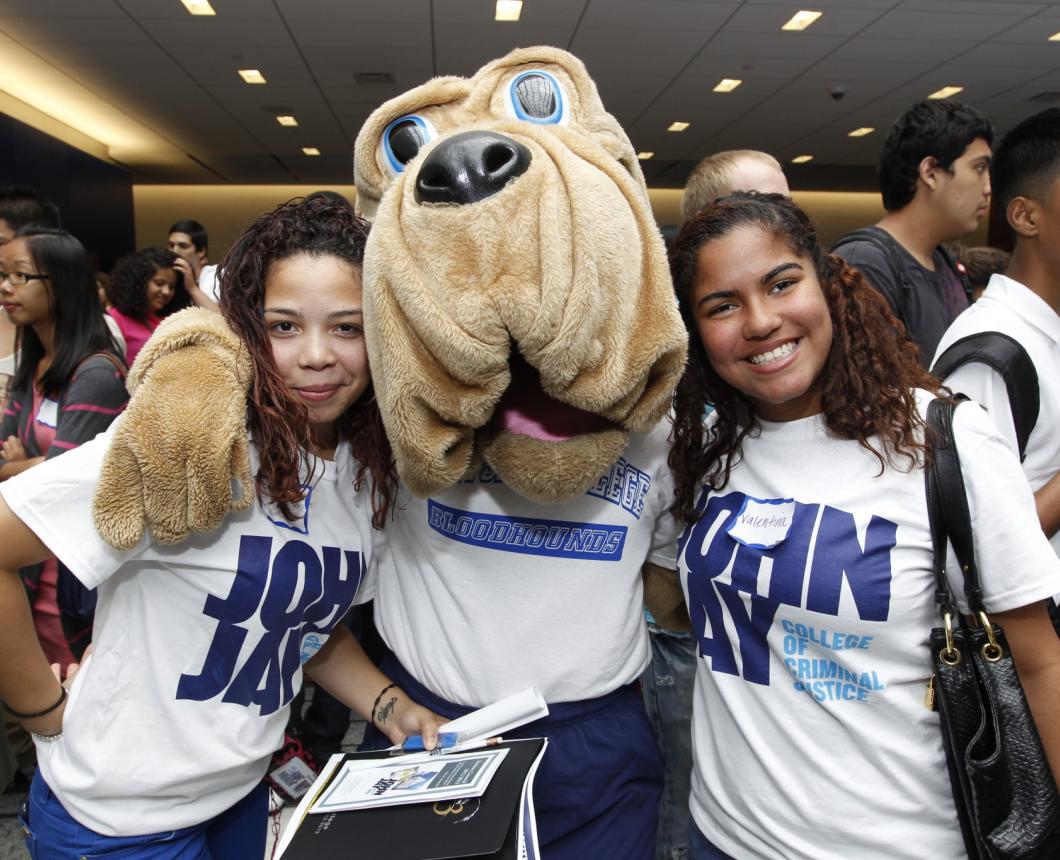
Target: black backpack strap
x,y
885,242
957,267
1008,358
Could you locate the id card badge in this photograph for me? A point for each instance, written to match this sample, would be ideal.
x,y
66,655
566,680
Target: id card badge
x,y
48,414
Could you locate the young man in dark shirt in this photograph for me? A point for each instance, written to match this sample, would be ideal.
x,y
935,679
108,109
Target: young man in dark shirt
x,y
935,182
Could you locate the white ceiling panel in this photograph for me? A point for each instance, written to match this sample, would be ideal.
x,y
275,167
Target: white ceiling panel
x,y
654,61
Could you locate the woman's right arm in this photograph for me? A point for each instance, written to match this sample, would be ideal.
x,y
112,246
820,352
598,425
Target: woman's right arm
x,y
27,684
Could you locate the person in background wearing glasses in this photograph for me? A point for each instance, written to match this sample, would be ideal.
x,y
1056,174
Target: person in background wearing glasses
x,y
19,207
68,387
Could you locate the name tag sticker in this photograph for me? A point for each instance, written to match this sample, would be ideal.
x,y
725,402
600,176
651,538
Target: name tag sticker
x,y
48,414
762,523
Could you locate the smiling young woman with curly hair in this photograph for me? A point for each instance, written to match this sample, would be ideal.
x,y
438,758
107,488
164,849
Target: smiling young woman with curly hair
x,y
200,647
807,559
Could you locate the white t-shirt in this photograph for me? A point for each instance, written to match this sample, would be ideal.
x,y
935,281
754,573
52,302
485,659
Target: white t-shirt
x,y
482,593
1010,308
809,586
209,282
197,647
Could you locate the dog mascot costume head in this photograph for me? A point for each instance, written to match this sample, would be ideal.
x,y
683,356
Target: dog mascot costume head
x,y
517,298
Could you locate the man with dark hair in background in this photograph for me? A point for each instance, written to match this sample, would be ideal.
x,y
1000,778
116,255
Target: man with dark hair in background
x,y
189,240
1024,304
935,183
22,207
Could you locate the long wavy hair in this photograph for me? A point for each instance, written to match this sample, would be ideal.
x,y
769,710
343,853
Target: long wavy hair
x,y
127,288
279,424
868,378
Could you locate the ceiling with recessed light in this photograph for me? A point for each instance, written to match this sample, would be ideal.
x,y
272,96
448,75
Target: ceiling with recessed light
x,y
161,89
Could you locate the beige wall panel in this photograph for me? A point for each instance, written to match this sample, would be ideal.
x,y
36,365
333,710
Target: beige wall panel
x,y
226,210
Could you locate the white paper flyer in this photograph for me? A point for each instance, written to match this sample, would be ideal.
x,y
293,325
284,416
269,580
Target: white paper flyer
x,y
409,779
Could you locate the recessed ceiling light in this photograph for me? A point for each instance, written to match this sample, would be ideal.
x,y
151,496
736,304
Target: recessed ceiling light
x,y
644,156
252,76
310,150
508,10
861,132
1055,37
946,92
727,85
286,120
801,159
801,20
677,126
199,7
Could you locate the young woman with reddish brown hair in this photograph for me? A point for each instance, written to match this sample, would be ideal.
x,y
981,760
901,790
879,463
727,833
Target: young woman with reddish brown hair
x,y
159,748
806,561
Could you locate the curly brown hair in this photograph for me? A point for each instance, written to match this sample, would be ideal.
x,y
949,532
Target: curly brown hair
x,y
279,424
127,288
868,378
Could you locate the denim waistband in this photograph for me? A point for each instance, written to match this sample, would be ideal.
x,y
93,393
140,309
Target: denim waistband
x,y
558,712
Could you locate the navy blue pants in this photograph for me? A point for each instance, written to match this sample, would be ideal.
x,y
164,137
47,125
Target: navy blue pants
x,y
596,793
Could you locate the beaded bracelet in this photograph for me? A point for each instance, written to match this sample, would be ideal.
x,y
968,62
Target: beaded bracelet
x,y
21,716
379,698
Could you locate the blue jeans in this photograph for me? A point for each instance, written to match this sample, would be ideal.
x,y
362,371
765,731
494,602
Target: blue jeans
x,y
667,687
700,849
238,833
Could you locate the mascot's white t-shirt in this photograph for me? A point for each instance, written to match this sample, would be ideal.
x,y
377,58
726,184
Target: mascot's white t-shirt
x,y
197,647
482,593
809,585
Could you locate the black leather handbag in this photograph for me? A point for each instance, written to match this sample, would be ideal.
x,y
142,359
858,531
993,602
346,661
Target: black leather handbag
x,y
1004,791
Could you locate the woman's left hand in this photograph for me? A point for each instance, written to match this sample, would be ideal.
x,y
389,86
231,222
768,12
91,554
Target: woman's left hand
x,y
407,718
12,450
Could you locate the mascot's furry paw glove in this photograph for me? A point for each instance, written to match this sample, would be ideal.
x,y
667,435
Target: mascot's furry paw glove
x,y
169,465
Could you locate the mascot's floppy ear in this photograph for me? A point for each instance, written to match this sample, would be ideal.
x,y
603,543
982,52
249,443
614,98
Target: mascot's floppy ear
x,y
518,304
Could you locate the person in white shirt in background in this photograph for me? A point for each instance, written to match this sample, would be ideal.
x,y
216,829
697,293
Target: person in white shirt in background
x,y
1024,303
189,240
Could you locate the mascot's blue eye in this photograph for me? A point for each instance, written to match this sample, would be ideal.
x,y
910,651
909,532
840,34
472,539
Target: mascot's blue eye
x,y
404,138
537,97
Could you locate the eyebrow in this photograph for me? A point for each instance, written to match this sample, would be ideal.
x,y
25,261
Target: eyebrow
x,y
772,273
766,278
288,312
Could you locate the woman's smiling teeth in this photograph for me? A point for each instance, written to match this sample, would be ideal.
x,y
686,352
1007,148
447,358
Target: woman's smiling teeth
x,y
774,354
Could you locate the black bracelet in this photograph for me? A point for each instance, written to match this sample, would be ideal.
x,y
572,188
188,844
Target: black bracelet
x,y
14,713
378,699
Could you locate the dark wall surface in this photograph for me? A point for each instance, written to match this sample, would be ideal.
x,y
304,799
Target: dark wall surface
x,y
94,197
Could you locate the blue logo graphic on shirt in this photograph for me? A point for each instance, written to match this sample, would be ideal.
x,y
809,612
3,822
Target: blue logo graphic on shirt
x,y
736,586
526,535
295,593
300,510
624,485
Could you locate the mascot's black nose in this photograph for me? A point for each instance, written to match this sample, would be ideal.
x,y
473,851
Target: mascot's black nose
x,y
469,167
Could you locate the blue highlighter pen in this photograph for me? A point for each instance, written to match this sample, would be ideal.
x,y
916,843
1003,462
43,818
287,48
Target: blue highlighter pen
x,y
414,743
